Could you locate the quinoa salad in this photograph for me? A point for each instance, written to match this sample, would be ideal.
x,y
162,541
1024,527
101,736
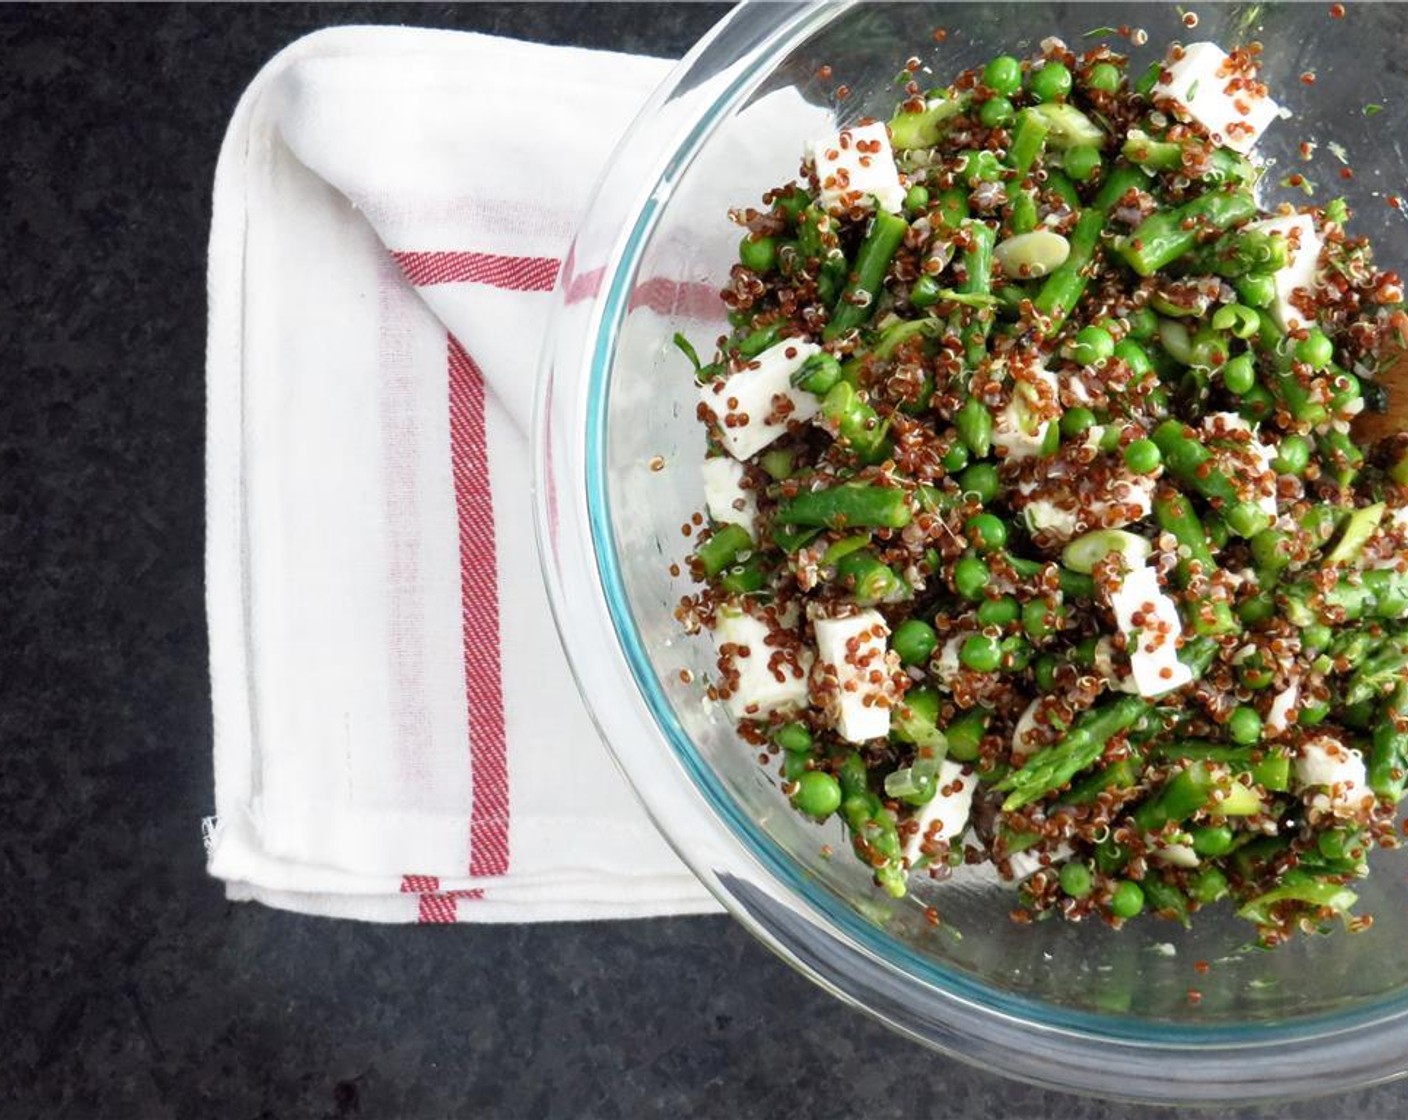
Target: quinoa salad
x,y
1038,531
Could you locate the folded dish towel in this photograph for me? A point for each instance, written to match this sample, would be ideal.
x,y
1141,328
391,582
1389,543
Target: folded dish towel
x,y
397,736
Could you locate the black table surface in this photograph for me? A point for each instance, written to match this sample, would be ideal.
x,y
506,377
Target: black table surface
x,y
129,987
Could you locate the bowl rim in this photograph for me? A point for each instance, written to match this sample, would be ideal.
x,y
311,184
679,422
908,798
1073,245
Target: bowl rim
x,y
754,854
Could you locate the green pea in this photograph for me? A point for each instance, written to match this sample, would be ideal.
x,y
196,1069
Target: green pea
x,y
924,292
971,576
965,735
1092,344
981,479
1347,390
818,794
1244,725
1051,83
1316,635
1081,162
1212,840
1103,76
793,736
915,641
1076,879
1040,619
999,612
1292,455
956,458
1143,456
1209,349
794,765
1315,350
1003,75
1239,374
996,111
1076,421
1134,356
1044,670
980,653
1128,899
916,198
1256,289
757,254
1254,673
1143,324
1256,404
1209,885
986,531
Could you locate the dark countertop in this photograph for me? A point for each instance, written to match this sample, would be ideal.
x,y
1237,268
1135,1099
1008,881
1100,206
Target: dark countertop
x,y
130,987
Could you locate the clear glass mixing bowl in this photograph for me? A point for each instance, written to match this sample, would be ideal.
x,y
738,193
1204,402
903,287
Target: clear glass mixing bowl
x,y
617,475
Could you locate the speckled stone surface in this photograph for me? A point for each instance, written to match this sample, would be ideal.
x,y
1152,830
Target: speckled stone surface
x,y
128,986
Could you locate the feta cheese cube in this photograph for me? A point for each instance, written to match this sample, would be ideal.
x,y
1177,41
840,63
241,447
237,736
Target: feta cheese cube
x,y
724,496
947,666
855,165
853,649
946,816
745,404
1017,429
1204,88
1325,761
762,688
1302,269
1278,719
1176,855
1153,642
1027,863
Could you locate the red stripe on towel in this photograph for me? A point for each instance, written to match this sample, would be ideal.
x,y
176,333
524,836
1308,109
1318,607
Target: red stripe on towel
x,y
512,274
479,609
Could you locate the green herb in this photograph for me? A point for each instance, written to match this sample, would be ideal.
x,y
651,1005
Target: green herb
x,y
1373,110
1193,90
1298,182
688,351
1099,32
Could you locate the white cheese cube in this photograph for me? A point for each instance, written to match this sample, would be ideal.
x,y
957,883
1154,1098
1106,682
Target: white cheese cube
x,y
1278,719
947,666
1027,863
1203,88
1302,269
1176,855
1017,428
1325,761
855,165
854,650
753,406
724,496
946,816
1152,642
762,687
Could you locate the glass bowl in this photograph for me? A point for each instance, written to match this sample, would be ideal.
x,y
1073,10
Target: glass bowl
x,y
617,454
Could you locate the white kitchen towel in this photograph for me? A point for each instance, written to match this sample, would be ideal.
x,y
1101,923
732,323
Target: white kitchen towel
x,y
397,736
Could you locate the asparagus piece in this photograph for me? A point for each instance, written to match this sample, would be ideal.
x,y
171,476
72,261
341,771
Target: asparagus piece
x,y
1388,751
848,506
873,258
1051,768
1164,236
1191,463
